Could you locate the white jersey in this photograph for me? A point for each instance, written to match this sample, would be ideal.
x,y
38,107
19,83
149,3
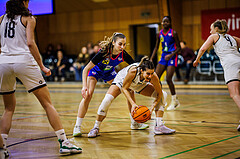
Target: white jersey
x,y
136,85
227,50
14,47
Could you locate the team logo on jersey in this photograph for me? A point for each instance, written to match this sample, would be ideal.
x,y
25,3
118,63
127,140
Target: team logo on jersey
x,y
171,61
114,73
169,34
106,62
93,72
119,59
161,38
108,67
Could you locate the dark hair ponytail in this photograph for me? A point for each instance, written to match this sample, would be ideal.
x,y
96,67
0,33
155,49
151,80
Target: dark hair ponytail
x,y
145,63
16,7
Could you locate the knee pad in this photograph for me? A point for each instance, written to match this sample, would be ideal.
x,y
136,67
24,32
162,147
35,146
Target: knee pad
x,y
106,102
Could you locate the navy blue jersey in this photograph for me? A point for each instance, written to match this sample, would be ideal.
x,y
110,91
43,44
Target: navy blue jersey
x,y
108,63
105,63
167,40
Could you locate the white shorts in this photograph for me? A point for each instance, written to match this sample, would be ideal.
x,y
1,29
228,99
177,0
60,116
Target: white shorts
x,y
232,72
29,75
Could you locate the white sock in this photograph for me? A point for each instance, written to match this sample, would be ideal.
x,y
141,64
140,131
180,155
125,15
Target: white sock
x,y
79,121
97,124
174,97
61,135
132,120
4,137
159,121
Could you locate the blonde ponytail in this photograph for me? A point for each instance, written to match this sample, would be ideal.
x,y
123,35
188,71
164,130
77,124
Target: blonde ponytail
x,y
106,44
222,26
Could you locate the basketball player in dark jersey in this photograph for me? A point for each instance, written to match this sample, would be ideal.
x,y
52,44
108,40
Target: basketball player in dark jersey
x,y
170,47
101,66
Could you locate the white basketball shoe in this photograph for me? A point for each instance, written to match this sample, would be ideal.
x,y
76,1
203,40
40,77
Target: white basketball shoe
x,y
77,131
67,148
173,105
138,126
93,133
162,129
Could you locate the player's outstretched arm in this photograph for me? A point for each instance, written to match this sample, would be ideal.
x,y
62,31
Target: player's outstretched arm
x,y
209,42
30,27
88,67
156,47
126,84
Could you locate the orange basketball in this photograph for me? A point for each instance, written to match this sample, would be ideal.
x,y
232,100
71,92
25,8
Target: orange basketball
x,y
142,114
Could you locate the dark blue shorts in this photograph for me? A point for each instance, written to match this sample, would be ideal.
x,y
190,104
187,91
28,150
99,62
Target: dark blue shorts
x,y
100,74
172,62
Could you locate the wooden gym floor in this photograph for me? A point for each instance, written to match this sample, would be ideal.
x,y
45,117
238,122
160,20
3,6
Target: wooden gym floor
x,y
205,123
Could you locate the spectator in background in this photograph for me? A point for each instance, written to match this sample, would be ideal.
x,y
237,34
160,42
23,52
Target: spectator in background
x,y
80,63
60,48
95,51
48,60
61,65
188,56
90,48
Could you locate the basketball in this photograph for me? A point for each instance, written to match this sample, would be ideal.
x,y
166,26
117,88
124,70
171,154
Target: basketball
x,y
142,114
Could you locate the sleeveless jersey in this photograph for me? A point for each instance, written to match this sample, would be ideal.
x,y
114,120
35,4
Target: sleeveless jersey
x,y
107,65
136,85
227,50
167,40
14,47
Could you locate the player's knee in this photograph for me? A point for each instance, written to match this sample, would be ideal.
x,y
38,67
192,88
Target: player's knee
x,y
169,80
159,108
106,102
234,96
89,96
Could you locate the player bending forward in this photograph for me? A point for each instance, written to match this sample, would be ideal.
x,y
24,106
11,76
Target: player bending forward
x,y
141,78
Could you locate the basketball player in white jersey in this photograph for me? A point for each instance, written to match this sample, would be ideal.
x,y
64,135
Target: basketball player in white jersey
x,y
141,78
20,58
226,47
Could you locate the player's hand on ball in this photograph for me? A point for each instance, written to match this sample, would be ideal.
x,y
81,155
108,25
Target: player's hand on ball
x,y
151,109
134,108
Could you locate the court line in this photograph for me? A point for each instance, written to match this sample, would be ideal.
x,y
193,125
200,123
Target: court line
x,y
29,140
199,147
101,91
226,154
115,119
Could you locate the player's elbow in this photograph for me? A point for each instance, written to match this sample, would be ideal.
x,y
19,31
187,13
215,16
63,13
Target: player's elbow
x,y
30,43
202,50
